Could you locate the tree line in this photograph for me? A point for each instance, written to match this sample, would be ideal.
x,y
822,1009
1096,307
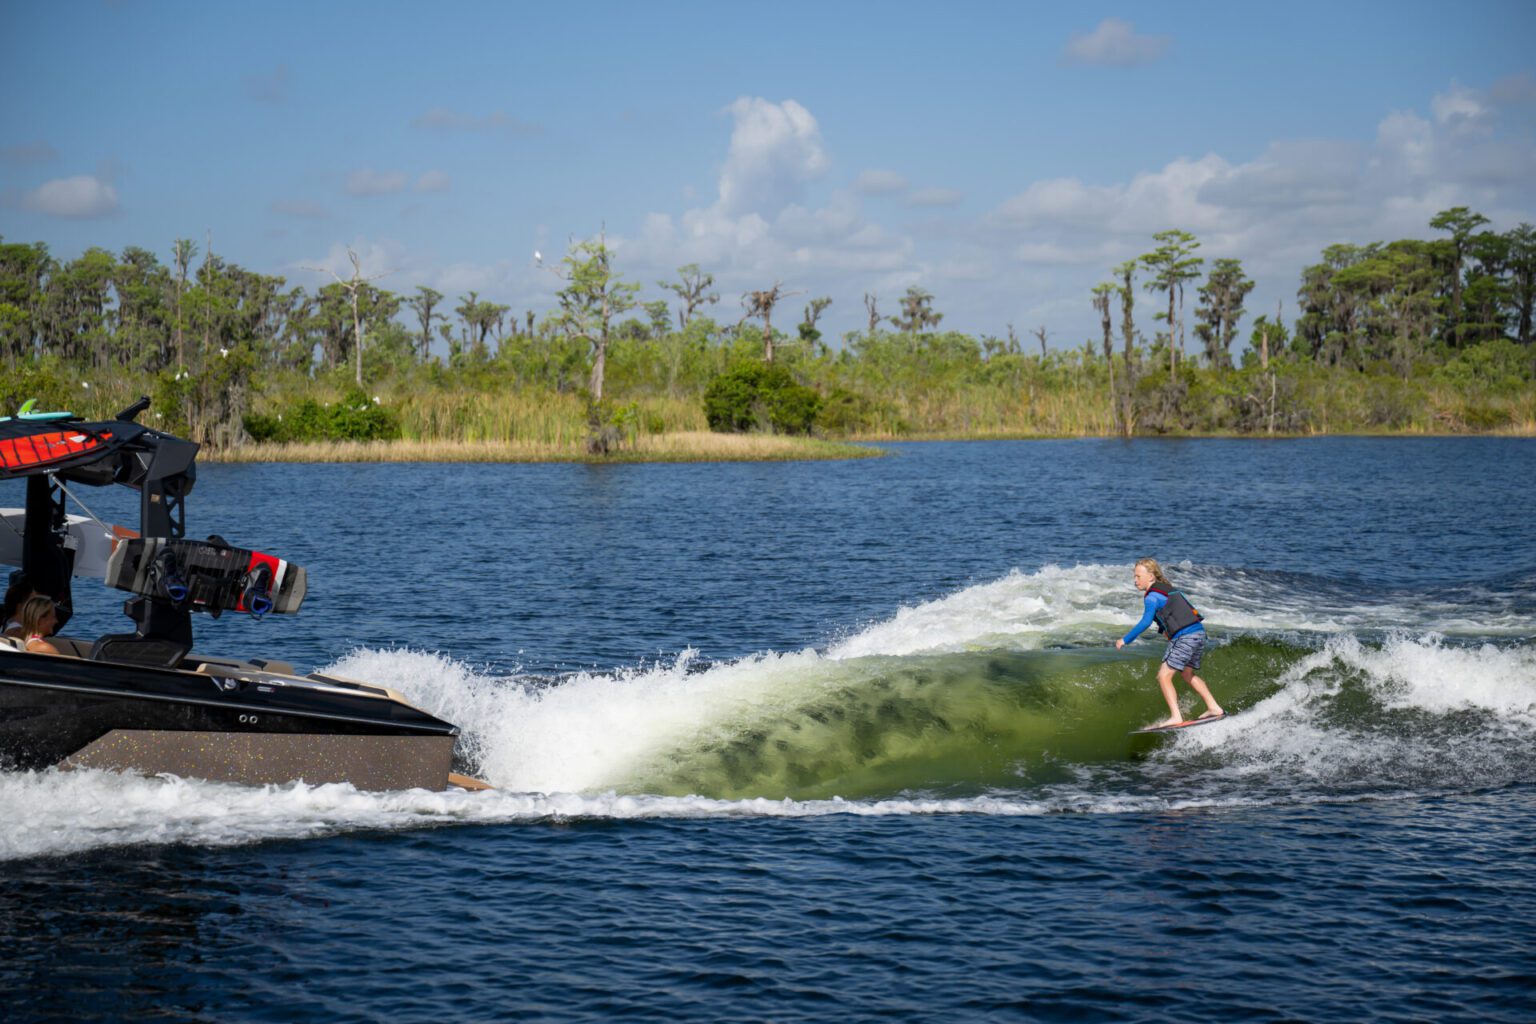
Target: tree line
x,y
216,343
1383,307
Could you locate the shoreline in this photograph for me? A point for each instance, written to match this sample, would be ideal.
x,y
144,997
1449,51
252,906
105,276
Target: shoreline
x,y
1520,430
703,446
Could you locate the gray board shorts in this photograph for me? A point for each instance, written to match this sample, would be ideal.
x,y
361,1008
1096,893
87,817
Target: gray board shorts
x,y
1185,651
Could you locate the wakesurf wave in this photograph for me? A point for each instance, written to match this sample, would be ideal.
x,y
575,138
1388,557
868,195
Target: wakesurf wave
x,y
1002,698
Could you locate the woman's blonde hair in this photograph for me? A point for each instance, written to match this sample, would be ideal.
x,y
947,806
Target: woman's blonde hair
x,y
1150,564
33,611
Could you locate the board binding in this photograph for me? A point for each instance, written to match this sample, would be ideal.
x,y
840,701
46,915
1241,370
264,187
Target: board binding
x,y
207,576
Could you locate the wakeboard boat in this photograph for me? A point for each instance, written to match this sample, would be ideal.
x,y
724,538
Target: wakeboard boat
x,y
144,700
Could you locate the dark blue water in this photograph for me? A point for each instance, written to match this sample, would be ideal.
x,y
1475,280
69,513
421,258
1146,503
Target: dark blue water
x,y
847,740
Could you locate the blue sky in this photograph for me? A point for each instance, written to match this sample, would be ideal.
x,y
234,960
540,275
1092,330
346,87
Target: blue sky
x,y
1001,155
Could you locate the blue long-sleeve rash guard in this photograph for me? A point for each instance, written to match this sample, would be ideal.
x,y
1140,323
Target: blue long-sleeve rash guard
x,y
1154,604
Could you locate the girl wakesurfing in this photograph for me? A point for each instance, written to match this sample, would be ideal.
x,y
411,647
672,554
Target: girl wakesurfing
x,y
1177,619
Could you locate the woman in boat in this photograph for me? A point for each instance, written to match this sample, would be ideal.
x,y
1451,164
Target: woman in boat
x,y
15,595
1176,619
39,618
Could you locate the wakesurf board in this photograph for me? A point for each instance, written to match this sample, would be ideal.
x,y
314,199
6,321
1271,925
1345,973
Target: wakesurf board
x,y
1180,725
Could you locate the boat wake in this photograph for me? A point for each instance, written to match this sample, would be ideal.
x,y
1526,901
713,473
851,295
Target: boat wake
x,y
1003,698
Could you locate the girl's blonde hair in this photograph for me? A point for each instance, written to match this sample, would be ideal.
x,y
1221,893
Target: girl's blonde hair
x,y
33,611
1150,564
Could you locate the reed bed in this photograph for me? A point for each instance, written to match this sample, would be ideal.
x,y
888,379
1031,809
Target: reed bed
x,y
685,446
541,416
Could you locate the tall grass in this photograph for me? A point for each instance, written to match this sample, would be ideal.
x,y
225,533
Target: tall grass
x,y
540,417
686,446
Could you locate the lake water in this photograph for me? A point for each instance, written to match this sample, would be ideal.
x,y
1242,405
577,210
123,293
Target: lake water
x,y
831,741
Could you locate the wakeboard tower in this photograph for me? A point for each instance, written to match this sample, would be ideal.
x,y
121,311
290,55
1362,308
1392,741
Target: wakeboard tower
x,y
144,700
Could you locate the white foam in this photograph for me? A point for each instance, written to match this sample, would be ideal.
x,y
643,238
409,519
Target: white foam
x,y
1096,603
592,730
1431,686
1020,610
52,813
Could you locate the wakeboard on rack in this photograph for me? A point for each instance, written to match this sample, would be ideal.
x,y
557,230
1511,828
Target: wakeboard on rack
x,y
207,576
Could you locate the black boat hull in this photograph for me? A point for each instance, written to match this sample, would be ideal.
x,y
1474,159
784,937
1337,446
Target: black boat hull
x,y
247,727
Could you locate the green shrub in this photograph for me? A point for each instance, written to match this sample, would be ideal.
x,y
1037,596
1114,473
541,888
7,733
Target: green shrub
x,y
847,412
355,418
760,396
1479,416
32,380
1498,367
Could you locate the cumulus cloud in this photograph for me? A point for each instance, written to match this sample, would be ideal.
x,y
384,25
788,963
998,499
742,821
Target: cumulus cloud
x,y
1035,254
433,181
1115,44
775,149
880,183
444,120
1148,202
368,182
1277,211
760,229
81,196
1290,175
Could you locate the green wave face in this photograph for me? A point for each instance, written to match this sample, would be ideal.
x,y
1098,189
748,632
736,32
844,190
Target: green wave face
x,y
946,724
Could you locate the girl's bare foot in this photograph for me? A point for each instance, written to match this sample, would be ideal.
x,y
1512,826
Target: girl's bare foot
x,y
1171,721
1214,711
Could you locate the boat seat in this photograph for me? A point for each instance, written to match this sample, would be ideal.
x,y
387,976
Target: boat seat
x,y
66,646
209,665
132,649
71,646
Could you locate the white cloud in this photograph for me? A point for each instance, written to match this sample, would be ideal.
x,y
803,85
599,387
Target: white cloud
x,y
1034,256
1289,175
1278,211
775,150
1149,202
880,183
368,182
79,196
1459,103
1115,43
1404,143
433,181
